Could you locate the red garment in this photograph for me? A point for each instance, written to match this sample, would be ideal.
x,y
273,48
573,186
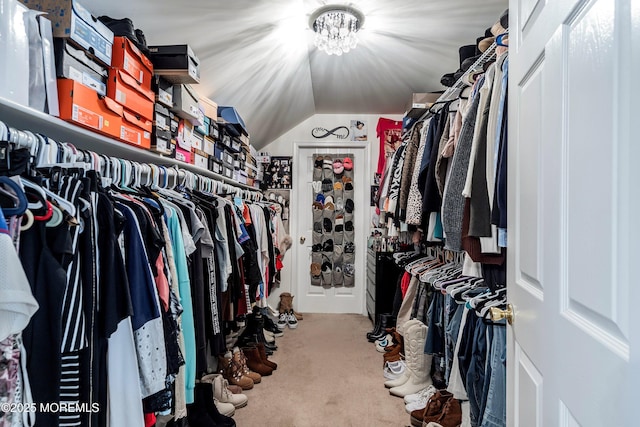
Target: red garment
x,y
162,283
390,134
404,284
149,420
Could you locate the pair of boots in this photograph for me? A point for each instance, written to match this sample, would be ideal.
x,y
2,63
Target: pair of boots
x,y
254,333
203,411
417,373
257,360
384,322
222,394
235,370
442,408
286,305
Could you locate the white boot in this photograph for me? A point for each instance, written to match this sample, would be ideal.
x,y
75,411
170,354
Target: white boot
x,y
405,375
418,363
402,329
221,394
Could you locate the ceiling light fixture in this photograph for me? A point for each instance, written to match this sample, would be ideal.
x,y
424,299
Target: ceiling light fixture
x,y
336,27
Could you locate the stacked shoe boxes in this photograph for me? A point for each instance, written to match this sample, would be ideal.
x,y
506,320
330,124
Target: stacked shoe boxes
x,y
166,124
104,82
176,67
228,148
83,49
205,150
130,85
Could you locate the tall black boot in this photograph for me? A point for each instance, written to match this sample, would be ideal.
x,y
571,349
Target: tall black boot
x,y
376,328
204,400
386,321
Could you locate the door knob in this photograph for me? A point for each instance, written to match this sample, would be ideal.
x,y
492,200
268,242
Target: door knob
x,y
302,240
499,314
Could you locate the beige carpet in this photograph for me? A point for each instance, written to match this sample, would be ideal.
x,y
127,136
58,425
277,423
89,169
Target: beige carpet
x,y
328,375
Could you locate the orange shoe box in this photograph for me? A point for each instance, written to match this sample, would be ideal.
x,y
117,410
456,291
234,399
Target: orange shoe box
x,y
126,91
135,130
127,57
83,106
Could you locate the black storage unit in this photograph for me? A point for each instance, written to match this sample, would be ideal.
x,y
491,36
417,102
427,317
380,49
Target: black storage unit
x,y
382,281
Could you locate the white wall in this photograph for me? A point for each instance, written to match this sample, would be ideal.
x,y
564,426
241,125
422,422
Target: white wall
x,y
283,146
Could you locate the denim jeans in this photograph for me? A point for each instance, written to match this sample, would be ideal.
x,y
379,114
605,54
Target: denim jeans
x,y
495,413
435,335
451,333
476,373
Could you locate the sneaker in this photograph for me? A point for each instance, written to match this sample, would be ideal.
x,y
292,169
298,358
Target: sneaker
x,y
383,342
417,401
282,321
292,322
394,370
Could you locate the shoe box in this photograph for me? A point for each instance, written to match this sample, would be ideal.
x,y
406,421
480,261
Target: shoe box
x,y
128,92
176,63
128,58
136,130
163,135
72,21
76,64
82,105
186,104
163,90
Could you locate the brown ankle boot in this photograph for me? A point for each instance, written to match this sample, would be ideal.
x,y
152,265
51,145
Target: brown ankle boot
x,y
395,352
451,414
241,361
232,373
435,406
285,303
254,361
263,355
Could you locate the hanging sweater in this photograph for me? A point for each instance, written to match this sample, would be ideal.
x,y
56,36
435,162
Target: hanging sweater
x,y
396,175
453,200
414,204
407,169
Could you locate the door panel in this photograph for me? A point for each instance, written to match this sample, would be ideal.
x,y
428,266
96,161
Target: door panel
x,y
529,387
325,299
529,10
530,133
570,204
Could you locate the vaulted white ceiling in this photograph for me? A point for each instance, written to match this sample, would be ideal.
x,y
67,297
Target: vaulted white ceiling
x,y
259,56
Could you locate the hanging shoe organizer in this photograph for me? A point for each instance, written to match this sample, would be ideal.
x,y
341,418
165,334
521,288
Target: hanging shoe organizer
x,y
333,250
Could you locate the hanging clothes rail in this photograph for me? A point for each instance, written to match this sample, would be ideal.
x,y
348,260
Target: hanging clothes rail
x,y
47,152
454,91
85,140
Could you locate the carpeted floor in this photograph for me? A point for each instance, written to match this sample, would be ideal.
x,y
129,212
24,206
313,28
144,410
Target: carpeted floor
x,y
328,375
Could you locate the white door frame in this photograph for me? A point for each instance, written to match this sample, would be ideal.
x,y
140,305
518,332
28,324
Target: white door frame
x,y
361,216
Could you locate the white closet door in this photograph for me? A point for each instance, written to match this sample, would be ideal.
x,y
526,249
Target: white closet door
x,y
325,299
572,200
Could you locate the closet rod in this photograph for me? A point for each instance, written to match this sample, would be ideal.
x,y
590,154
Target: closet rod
x,y
187,178
59,130
453,92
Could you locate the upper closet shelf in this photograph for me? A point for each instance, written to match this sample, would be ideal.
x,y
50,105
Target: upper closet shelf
x,y
18,116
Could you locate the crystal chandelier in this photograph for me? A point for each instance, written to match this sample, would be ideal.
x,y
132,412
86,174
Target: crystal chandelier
x,y
336,27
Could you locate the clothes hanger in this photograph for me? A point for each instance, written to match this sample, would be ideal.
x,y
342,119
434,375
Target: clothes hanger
x,y
13,190
502,40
